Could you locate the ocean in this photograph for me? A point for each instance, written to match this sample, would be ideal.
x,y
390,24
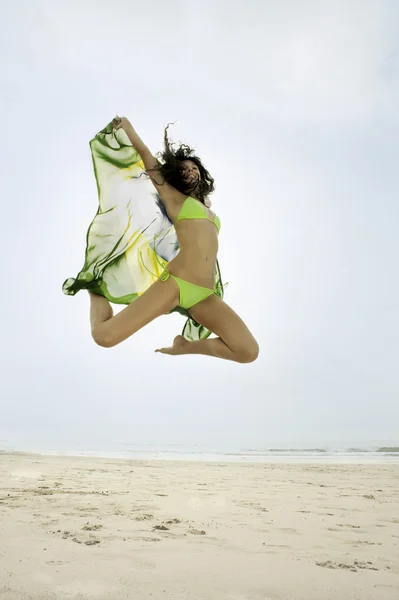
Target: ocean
x,y
203,453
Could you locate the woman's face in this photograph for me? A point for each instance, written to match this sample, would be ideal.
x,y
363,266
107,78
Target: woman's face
x,y
190,173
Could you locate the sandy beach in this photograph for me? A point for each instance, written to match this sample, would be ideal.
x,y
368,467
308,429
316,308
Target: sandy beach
x,y
89,528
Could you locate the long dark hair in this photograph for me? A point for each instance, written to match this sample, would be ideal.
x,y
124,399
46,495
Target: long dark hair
x,y
170,167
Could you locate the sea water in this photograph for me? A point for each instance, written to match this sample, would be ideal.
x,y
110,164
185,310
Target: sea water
x,y
287,453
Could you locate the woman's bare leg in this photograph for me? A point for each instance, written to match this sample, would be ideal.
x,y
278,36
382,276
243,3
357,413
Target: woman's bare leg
x,y
100,310
209,347
108,330
235,341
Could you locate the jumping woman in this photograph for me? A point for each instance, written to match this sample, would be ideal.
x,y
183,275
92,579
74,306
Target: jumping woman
x,y
188,282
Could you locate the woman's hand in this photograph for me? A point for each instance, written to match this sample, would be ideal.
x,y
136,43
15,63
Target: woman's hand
x,y
121,123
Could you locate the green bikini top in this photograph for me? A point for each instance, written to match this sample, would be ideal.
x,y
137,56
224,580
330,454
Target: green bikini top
x,y
194,209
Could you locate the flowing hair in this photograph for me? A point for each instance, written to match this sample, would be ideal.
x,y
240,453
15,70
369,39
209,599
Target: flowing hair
x,y
170,167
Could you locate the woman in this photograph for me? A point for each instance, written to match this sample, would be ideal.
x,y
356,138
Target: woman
x,y
183,185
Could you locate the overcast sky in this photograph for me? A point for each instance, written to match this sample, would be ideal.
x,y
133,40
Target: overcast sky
x,y
293,107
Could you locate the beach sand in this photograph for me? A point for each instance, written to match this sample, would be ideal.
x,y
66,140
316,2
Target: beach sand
x,y
89,528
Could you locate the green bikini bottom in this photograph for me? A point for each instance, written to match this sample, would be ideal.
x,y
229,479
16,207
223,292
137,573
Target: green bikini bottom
x,y
190,293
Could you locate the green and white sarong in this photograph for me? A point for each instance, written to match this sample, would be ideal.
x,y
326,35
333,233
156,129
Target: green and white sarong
x,y
131,239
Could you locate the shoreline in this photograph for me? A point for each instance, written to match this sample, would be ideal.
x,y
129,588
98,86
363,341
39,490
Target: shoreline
x,y
366,458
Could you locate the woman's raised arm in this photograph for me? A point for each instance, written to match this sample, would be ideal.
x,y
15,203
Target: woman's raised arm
x,y
169,195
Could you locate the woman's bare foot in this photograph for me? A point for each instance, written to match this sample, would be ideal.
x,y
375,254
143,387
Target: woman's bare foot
x,y
179,344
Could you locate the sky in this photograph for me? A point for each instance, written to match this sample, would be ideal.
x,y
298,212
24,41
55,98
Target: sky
x,y
293,107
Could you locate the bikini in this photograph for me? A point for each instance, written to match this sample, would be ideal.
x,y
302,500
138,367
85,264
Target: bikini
x,y
190,293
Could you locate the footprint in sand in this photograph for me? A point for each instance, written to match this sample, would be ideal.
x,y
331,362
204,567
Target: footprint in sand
x,y
197,531
43,491
173,522
91,542
65,534
89,527
145,517
328,564
364,543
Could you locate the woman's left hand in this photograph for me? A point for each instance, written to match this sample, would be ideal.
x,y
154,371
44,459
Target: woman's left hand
x,y
121,122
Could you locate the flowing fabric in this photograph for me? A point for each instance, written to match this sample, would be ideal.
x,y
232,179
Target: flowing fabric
x,y
131,239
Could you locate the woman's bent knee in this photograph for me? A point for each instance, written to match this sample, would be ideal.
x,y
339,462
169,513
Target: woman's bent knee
x,y
101,336
249,353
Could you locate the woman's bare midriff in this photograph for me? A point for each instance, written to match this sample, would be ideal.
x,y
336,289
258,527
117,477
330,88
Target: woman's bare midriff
x,y
198,240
